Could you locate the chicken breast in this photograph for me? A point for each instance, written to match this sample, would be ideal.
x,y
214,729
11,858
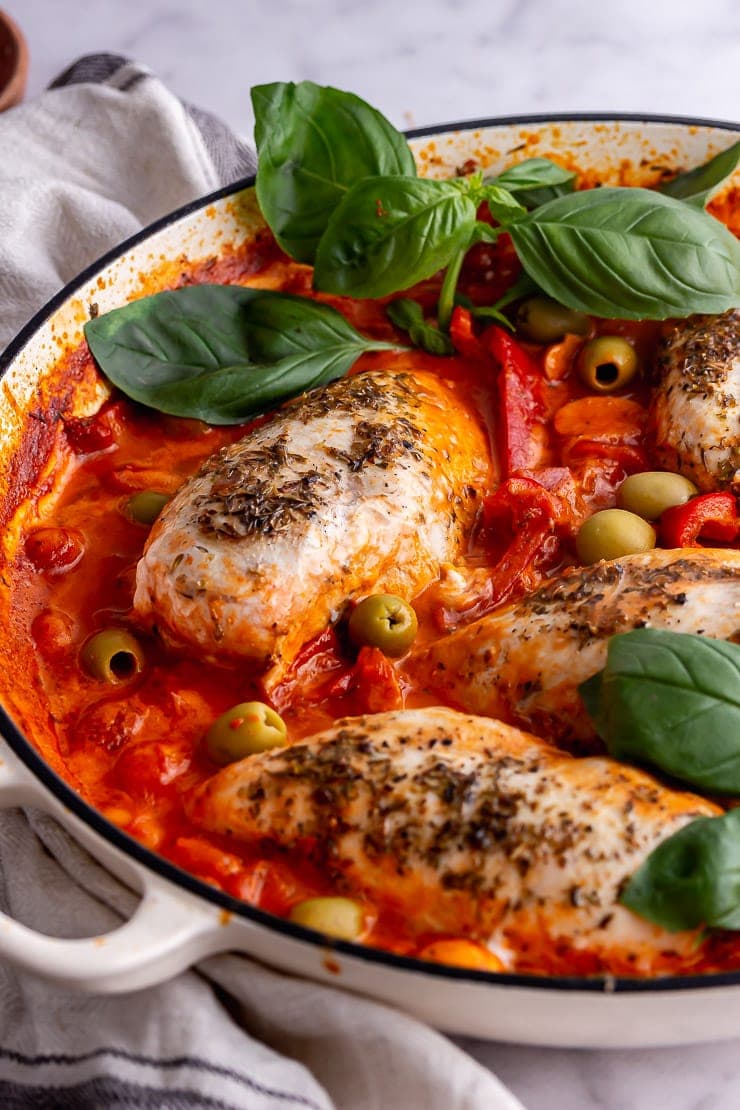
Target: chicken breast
x,y
367,485
466,826
523,663
694,416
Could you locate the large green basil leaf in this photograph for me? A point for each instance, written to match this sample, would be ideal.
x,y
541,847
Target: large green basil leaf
x,y
698,186
535,181
391,232
629,253
671,700
222,353
314,143
692,878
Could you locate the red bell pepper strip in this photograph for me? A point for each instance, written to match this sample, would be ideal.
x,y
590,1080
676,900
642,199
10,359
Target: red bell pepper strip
x,y
522,501
632,459
535,517
520,384
532,514
711,516
372,682
377,681
463,338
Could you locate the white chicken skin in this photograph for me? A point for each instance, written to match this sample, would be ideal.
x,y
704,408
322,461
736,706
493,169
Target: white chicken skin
x,y
694,417
364,486
466,826
524,662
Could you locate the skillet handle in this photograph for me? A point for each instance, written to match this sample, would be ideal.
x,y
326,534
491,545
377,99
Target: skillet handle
x,y
169,930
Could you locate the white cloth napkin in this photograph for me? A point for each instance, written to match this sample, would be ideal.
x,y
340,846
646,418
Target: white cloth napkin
x,y
104,152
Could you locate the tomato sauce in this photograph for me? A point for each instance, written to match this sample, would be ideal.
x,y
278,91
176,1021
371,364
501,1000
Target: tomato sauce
x,y
134,750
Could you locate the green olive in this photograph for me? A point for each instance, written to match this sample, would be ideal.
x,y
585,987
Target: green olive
x,y
384,621
245,729
649,494
337,917
608,363
611,534
543,320
113,655
145,507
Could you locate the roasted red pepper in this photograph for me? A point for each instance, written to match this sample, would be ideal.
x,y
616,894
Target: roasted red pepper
x,y
632,459
372,682
525,503
464,340
520,384
710,516
531,514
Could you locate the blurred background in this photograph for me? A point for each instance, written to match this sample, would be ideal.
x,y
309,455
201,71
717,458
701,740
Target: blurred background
x,y
418,61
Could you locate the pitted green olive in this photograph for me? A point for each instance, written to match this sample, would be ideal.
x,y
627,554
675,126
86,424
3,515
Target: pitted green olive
x,y
611,534
650,493
337,917
607,363
113,655
384,621
246,729
145,507
542,320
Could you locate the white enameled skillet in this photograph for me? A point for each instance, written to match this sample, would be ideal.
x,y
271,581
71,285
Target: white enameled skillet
x,y
181,919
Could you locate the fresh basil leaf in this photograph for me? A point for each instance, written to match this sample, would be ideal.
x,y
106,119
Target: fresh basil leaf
x,y
172,335
692,878
501,204
314,143
698,186
280,325
408,316
536,181
222,353
235,394
629,253
671,700
591,696
391,232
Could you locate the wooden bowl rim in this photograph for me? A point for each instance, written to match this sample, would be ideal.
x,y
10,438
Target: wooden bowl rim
x,y
11,93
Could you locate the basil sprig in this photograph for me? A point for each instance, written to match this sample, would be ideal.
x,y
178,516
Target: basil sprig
x,y
692,878
223,353
314,143
625,253
700,185
671,700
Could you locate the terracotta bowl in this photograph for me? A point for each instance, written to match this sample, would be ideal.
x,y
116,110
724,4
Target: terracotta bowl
x,y
13,63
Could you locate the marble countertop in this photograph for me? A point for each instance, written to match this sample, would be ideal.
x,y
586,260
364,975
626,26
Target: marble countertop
x,y
418,61
421,62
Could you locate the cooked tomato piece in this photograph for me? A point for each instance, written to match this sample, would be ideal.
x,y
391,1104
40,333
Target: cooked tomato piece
x,y
54,550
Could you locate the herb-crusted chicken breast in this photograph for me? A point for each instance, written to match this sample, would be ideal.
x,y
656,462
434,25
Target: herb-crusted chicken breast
x,y
467,826
523,663
694,414
366,485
